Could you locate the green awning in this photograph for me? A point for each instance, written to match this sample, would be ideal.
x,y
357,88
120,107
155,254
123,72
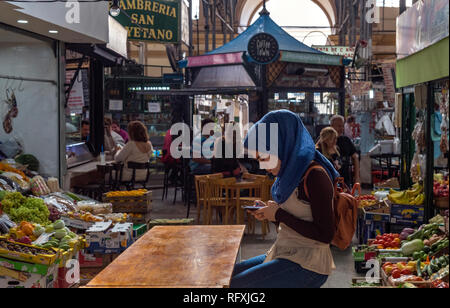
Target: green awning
x,y
427,65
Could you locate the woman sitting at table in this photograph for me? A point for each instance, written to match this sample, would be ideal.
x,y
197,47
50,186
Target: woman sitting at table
x,y
221,163
139,149
301,256
327,145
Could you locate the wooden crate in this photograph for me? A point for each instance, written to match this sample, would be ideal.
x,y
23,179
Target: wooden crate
x,y
138,205
441,202
145,219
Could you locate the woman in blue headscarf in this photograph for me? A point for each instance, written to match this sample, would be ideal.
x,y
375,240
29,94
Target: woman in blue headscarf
x,y
302,207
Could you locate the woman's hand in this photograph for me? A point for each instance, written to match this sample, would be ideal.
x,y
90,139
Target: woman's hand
x,y
266,213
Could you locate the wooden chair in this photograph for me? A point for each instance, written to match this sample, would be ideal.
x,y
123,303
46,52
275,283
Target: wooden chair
x,y
260,191
222,197
130,185
202,190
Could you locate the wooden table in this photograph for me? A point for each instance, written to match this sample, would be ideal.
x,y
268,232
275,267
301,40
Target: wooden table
x,y
244,185
176,257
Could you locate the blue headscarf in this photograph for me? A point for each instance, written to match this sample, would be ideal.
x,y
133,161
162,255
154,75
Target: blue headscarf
x,y
296,150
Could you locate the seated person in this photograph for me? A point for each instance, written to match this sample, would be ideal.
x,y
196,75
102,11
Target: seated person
x,y
228,166
138,149
118,140
199,164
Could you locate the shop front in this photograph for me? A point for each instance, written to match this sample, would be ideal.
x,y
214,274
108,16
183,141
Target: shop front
x,y
423,77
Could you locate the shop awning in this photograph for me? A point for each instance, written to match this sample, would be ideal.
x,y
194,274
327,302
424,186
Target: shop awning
x,y
211,60
235,51
230,76
99,51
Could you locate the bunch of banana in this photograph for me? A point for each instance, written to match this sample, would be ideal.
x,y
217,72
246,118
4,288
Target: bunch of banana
x,y
414,196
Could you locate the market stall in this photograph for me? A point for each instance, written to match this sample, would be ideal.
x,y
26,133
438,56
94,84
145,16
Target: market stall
x,y
272,68
45,231
424,96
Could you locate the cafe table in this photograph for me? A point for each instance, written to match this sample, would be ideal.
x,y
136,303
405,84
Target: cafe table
x,y
246,185
176,257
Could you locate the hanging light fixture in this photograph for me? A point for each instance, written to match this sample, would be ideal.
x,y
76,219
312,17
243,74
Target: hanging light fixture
x,y
115,9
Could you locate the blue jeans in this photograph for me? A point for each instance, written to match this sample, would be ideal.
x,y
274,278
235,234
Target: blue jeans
x,y
278,273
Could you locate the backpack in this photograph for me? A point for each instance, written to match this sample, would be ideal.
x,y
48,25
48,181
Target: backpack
x,y
345,208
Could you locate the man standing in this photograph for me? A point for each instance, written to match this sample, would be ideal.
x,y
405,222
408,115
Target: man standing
x,y
347,150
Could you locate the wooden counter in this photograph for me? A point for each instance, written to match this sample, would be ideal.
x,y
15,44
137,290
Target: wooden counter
x,y
176,257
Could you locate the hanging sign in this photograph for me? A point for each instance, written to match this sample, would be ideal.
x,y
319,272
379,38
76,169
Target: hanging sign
x,y
263,48
156,20
76,97
154,107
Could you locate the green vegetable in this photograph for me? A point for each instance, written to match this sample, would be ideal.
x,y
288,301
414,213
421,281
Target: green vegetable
x,y
409,248
419,271
29,161
429,270
59,224
426,249
59,234
64,247
416,255
38,230
2,194
74,197
416,235
49,229
20,208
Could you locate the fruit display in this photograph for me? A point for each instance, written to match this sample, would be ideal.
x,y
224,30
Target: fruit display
x,y
414,196
433,266
22,248
62,237
396,270
387,241
365,201
440,189
133,193
85,216
20,208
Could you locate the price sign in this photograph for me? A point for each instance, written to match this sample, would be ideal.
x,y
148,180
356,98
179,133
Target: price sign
x,y
263,48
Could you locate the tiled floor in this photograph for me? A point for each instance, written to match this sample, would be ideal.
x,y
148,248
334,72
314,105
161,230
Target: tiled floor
x,y
254,245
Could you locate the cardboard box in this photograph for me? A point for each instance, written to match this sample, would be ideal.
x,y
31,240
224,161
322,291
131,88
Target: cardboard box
x,y
408,215
32,280
101,238
77,223
89,260
31,268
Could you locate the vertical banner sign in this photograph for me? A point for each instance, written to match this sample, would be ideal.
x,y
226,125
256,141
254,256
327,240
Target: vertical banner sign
x,y
76,98
151,20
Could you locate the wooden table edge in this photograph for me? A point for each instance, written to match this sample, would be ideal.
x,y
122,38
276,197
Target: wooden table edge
x,y
242,231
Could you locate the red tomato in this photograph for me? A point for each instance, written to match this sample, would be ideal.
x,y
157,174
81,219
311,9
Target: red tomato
x,y
396,235
406,272
396,274
379,237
